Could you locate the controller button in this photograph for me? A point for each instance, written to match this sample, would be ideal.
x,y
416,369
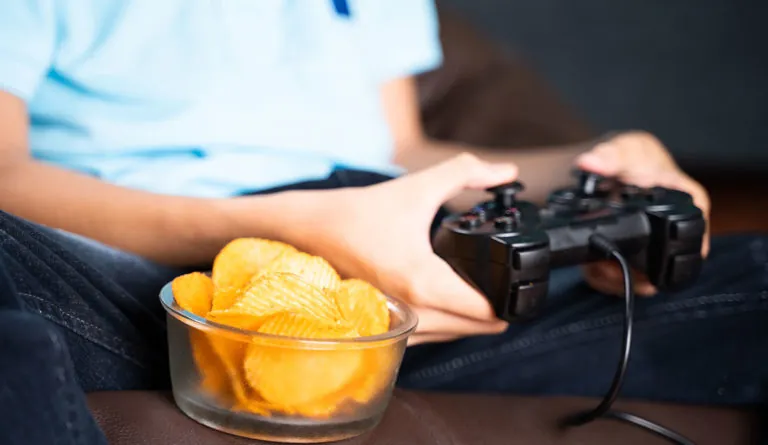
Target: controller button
x,y
526,260
479,213
513,212
684,268
526,300
691,229
505,223
469,222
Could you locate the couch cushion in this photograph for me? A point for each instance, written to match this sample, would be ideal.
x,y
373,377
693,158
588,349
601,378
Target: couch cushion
x,y
484,96
131,418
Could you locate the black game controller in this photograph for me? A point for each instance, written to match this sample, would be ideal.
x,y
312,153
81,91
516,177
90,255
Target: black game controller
x,y
505,247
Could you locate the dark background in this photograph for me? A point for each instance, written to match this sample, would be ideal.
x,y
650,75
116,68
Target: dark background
x,y
693,72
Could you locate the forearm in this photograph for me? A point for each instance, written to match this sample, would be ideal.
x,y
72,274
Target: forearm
x,y
541,168
168,229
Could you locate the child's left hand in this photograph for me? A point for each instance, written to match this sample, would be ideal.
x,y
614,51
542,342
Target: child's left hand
x,y
637,158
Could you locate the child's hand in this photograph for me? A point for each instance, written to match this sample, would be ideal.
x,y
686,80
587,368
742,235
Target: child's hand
x,y
381,233
640,159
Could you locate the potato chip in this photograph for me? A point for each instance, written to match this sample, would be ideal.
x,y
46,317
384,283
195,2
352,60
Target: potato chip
x,y
213,377
239,260
193,292
364,306
290,378
312,269
379,365
278,292
231,352
225,297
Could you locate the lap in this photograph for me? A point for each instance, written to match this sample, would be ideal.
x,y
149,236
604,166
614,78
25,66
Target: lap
x,y
103,301
707,343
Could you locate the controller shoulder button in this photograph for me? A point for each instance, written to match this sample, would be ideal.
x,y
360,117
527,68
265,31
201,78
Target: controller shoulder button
x,y
688,229
526,300
530,259
683,269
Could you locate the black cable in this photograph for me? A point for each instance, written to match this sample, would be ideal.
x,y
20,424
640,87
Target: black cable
x,y
605,246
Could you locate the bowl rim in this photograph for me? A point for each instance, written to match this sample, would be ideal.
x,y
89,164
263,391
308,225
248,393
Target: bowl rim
x,y
405,329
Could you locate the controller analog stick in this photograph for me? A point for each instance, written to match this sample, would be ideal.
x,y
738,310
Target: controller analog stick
x,y
588,183
505,194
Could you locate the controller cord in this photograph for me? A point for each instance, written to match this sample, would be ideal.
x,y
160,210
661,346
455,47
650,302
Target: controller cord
x,y
607,247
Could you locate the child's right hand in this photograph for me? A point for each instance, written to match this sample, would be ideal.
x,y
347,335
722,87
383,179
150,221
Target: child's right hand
x,y
380,233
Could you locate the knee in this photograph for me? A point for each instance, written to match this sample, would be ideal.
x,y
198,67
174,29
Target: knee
x,y
740,248
29,340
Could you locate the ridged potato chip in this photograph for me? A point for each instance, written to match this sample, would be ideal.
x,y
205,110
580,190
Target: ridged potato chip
x,y
193,292
273,288
291,378
311,269
278,292
363,305
213,376
239,260
225,297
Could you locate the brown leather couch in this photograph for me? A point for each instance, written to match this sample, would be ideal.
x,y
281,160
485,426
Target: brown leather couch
x,y
479,97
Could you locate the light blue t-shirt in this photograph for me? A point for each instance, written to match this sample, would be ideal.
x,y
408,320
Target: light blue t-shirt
x,y
211,97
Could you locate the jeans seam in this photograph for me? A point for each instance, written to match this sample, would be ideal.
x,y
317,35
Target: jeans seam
x,y
117,349
72,419
596,325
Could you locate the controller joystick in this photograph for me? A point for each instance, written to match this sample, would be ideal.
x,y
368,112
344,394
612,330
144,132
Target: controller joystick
x,y
505,195
588,183
507,250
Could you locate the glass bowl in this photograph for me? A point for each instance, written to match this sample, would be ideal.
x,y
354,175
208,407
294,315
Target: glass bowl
x,y
283,389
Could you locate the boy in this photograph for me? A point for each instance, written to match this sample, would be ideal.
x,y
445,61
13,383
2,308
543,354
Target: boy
x,y
137,138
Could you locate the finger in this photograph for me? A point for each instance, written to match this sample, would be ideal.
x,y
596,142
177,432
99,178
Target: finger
x,y
434,284
446,179
635,157
702,201
603,159
436,322
607,277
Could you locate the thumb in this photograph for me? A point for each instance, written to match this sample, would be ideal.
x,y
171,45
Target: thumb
x,y
466,171
602,159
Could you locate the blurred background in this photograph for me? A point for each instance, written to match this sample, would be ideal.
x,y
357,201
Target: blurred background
x,y
549,72
693,72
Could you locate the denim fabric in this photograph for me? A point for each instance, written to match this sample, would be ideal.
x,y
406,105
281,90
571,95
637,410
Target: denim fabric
x,y
705,344
77,316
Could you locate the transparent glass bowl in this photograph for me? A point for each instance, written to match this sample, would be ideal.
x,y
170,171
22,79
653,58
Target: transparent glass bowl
x,y
283,389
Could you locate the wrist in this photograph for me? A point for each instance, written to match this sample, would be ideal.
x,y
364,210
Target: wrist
x,y
284,216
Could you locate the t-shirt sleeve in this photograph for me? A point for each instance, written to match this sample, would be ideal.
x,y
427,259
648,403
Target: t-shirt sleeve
x,y
27,42
402,36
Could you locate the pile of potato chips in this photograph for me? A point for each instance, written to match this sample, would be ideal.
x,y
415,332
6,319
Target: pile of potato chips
x,y
272,288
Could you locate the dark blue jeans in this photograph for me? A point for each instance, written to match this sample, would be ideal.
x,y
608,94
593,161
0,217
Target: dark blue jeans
x,y
77,316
